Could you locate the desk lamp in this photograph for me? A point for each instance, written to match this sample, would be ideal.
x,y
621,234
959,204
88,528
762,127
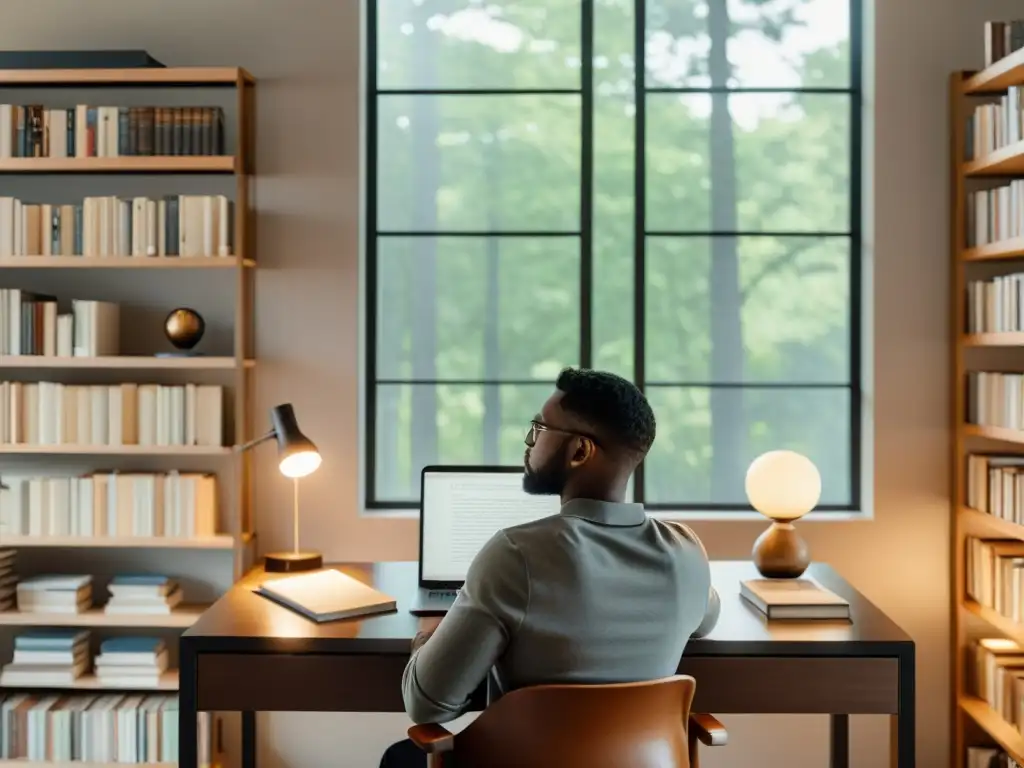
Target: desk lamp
x,y
783,486
297,457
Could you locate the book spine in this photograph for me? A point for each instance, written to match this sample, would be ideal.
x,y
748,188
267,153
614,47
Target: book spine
x,y
71,132
124,132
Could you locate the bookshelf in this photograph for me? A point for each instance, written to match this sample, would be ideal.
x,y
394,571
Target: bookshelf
x,y
160,173
981,257
120,262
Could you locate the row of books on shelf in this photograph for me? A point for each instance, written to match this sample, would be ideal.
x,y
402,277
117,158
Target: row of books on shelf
x,y
96,728
996,305
995,215
995,486
1001,39
994,126
59,657
995,399
52,413
995,674
130,594
994,576
189,226
148,504
34,130
31,324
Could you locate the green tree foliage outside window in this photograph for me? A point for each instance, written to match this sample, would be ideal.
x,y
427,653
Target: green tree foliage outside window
x,y
748,339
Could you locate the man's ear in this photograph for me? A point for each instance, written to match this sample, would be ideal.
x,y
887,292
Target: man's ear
x,y
584,451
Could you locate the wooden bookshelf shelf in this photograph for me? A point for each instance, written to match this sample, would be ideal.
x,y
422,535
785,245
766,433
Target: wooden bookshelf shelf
x,y
125,362
194,76
1008,737
1000,76
121,262
168,682
995,525
993,340
1005,249
1008,161
995,433
971,620
148,164
114,450
182,617
222,541
996,620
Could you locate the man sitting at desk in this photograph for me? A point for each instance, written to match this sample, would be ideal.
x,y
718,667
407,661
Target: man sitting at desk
x,y
599,593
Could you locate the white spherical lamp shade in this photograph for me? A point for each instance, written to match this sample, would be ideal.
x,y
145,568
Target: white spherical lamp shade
x,y
783,485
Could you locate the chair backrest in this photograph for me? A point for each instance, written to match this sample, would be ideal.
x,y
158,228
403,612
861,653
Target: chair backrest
x,y
640,725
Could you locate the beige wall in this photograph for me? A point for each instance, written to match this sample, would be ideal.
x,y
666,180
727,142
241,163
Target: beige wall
x,y
306,56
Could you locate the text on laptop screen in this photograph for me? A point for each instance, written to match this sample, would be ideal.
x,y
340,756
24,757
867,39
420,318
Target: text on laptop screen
x,y
463,510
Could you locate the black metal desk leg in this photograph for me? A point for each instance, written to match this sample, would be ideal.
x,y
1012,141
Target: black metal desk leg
x,y
248,739
188,745
903,730
839,740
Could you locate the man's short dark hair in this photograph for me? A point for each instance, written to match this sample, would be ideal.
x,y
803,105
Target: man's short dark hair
x,y
613,406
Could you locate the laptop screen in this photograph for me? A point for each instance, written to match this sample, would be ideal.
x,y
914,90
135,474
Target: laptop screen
x,y
461,510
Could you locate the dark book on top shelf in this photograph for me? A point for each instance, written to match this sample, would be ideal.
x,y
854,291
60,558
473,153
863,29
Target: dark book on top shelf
x,y
77,60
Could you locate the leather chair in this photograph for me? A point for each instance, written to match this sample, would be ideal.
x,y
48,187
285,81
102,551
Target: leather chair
x,y
623,725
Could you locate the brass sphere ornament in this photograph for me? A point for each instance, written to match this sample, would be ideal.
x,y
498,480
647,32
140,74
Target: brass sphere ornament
x,y
184,328
783,486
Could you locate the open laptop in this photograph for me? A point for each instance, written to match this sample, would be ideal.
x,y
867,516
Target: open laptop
x,y
461,508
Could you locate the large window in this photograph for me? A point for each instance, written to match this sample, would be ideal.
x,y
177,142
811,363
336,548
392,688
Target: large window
x,y
669,190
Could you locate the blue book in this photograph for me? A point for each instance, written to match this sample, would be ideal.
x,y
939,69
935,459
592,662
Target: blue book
x,y
140,579
132,645
50,639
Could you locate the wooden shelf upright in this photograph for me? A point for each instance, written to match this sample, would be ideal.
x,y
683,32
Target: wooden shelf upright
x,y
975,723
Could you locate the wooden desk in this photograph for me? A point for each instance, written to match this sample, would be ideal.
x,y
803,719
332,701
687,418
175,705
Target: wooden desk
x,y
246,654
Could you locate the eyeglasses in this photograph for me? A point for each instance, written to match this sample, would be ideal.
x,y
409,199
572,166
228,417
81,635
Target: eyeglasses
x,y
536,427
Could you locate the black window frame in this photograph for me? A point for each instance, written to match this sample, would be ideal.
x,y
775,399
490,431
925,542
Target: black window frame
x,y
854,92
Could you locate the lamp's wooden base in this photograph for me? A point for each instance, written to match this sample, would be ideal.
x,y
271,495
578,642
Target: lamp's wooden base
x,y
781,553
292,562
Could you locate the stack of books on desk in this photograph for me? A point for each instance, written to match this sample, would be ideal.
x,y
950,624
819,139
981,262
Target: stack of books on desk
x,y
55,594
131,662
142,593
47,658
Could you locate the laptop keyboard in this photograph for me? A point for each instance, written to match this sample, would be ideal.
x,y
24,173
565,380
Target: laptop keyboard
x,y
443,594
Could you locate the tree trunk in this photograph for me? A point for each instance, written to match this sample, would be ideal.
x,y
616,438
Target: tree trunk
x,y
728,421
425,177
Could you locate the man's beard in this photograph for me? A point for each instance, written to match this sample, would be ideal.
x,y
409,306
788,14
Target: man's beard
x,y
548,480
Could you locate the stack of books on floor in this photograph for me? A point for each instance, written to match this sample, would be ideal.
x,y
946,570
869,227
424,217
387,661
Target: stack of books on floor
x,y
47,658
143,593
8,579
95,729
55,594
131,662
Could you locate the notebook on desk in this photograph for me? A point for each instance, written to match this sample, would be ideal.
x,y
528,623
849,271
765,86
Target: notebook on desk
x,y
794,599
326,595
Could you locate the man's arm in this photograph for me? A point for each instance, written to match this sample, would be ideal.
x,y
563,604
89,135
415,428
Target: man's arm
x,y
450,663
714,605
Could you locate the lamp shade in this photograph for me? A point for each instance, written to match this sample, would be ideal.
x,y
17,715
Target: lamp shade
x,y
297,454
783,485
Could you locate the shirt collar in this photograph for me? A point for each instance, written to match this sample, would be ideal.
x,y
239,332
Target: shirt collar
x,y
605,512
